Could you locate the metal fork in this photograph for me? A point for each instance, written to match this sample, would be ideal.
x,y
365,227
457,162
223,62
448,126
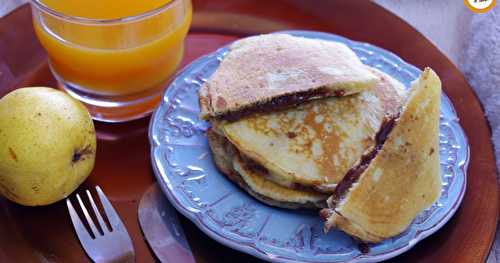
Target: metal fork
x,y
108,245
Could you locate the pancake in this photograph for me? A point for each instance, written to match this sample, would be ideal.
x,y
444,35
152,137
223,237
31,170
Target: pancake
x,y
275,71
253,181
316,143
401,179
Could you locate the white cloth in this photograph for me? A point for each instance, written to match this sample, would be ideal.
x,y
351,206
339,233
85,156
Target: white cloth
x,y
481,67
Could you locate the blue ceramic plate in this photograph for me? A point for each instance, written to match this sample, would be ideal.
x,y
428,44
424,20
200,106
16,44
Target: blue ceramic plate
x,y
185,171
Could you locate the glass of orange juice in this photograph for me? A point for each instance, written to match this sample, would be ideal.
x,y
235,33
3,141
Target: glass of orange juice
x,y
116,56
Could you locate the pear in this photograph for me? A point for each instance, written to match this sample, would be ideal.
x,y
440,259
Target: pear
x,y
47,145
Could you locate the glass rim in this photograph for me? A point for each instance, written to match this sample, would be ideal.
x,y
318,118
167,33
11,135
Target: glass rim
x,y
40,5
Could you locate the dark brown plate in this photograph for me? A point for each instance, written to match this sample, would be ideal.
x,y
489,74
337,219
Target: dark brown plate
x,y
123,166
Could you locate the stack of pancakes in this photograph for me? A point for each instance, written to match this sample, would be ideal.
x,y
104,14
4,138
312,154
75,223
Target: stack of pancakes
x,y
302,123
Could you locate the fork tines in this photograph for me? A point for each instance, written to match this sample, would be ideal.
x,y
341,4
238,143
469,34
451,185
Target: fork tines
x,y
106,243
76,219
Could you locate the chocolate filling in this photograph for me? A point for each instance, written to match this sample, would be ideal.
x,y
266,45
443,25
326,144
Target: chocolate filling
x,y
282,102
325,213
252,165
355,172
364,248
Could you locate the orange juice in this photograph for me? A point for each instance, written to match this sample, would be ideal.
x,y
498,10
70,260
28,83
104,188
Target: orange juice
x,y
119,57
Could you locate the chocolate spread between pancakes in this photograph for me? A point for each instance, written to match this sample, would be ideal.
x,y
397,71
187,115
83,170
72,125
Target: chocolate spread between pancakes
x,y
282,102
355,172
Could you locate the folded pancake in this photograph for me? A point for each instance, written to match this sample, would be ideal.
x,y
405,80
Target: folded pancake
x,y
316,143
275,71
381,196
252,178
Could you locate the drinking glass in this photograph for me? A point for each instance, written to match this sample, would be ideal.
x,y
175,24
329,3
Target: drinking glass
x,y
117,67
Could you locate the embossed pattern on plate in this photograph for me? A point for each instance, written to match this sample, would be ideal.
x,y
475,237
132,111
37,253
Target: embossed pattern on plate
x,y
185,171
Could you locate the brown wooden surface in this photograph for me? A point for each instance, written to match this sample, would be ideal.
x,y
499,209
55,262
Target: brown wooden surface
x,y
44,234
